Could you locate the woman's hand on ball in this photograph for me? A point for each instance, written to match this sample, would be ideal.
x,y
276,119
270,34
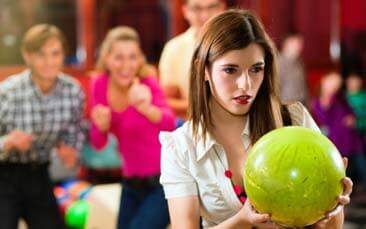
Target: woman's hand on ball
x,y
343,199
250,216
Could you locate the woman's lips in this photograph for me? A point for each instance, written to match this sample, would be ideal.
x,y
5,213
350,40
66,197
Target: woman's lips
x,y
243,99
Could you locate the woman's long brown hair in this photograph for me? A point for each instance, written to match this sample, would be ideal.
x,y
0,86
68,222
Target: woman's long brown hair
x,y
233,30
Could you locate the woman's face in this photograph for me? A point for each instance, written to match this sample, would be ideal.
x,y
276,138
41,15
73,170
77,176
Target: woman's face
x,y
48,61
236,77
123,62
331,83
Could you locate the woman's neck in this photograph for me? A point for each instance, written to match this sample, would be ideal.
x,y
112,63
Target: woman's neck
x,y
227,126
117,96
118,88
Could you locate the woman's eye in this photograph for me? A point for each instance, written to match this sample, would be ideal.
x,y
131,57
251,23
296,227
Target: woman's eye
x,y
257,69
229,70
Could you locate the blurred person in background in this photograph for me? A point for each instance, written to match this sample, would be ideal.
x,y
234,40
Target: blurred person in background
x,y
175,60
337,121
40,109
129,103
356,97
293,84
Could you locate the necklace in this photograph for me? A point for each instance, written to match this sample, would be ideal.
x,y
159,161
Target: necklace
x,y
239,191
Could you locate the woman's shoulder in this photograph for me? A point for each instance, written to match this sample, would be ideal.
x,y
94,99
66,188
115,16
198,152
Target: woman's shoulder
x,y
180,137
98,83
99,79
300,116
150,80
297,112
296,108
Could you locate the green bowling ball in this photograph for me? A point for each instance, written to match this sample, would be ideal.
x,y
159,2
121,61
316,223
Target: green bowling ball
x,y
76,215
294,174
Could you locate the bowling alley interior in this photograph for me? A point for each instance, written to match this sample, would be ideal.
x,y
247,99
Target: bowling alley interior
x,y
120,114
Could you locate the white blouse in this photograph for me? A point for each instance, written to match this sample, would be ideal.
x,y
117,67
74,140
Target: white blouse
x,y
189,169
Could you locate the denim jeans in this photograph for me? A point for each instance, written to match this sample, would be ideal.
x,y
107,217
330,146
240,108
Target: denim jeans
x,y
145,208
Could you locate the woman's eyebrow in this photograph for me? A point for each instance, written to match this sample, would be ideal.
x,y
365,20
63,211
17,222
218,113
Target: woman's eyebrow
x,y
258,64
229,65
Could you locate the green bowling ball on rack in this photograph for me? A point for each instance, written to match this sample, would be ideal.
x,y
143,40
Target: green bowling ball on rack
x,y
76,215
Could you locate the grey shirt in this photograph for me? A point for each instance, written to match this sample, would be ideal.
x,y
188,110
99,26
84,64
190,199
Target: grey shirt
x,y
293,85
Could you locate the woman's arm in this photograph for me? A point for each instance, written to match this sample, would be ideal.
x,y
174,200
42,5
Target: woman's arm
x,y
151,112
247,218
184,212
100,115
149,100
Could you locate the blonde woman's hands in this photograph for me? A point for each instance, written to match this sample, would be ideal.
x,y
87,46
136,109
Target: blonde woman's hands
x,y
101,116
139,95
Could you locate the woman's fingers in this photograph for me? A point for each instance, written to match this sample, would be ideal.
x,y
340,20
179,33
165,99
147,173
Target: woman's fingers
x,y
335,212
345,161
347,186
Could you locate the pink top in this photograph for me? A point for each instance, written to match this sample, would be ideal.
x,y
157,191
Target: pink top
x,y
137,136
